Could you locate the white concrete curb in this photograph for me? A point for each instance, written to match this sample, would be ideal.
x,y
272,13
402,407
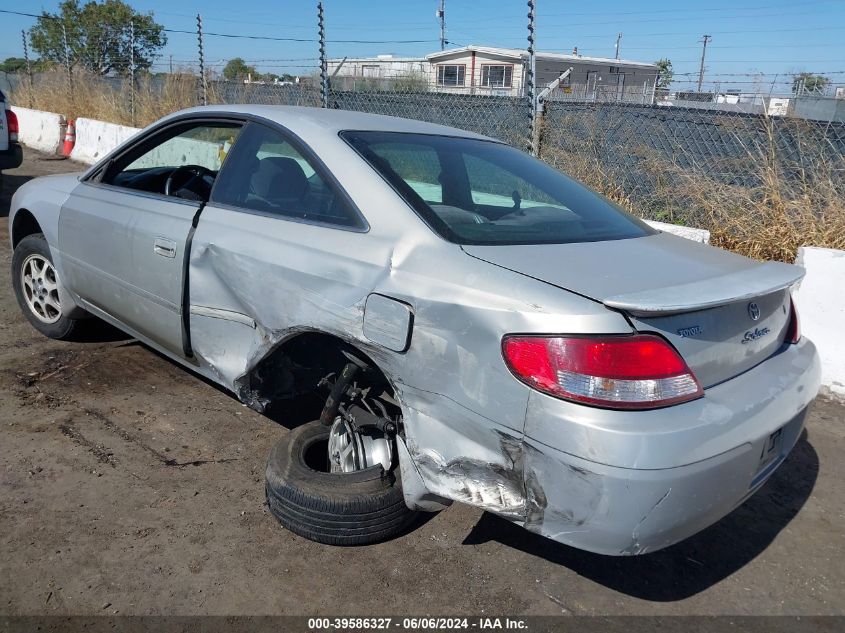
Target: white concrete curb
x,y
39,130
821,311
696,235
95,139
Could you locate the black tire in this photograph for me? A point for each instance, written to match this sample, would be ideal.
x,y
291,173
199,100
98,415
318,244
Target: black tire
x,y
62,329
357,508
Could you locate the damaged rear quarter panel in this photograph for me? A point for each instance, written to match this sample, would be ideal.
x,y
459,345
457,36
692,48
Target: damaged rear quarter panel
x,y
463,412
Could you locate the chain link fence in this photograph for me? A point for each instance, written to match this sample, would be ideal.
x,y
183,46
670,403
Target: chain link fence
x,y
763,185
751,178
504,118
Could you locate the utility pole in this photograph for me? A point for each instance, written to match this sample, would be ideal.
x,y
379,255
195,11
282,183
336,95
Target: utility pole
x,y
171,63
618,39
441,15
705,39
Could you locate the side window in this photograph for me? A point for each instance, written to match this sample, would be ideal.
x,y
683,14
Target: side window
x,y
205,145
266,173
417,165
182,162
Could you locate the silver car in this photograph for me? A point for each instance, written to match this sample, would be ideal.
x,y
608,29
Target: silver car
x,y
453,319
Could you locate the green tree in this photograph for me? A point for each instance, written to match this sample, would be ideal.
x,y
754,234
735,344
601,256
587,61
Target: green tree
x,y
13,65
664,74
98,36
808,82
236,69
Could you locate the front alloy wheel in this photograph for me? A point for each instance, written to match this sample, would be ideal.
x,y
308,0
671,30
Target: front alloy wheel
x,y
40,288
36,285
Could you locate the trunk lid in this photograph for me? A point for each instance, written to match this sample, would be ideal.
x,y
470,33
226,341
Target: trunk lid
x,y
696,296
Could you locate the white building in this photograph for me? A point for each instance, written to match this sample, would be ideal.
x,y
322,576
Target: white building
x,y
346,72
501,71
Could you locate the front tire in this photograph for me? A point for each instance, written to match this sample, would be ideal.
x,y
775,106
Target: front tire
x,y
36,285
352,508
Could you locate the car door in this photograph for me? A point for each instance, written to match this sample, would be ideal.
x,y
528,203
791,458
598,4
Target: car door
x,y
279,246
123,240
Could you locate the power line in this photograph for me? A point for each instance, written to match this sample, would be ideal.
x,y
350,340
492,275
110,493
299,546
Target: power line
x,y
248,37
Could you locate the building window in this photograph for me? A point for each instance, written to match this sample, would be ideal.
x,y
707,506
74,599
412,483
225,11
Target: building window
x,y
451,75
369,71
496,76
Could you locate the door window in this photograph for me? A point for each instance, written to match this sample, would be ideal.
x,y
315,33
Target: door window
x,y
182,162
266,173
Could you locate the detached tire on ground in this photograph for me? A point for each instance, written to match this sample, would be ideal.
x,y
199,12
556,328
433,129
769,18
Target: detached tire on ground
x,y
355,508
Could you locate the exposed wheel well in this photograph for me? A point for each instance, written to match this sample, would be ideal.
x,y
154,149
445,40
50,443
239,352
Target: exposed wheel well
x,y
291,377
23,225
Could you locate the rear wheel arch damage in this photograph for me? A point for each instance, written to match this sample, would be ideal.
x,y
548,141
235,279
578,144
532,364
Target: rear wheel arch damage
x,y
339,501
296,366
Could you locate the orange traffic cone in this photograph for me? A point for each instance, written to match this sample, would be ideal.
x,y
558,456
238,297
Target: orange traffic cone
x,y
70,138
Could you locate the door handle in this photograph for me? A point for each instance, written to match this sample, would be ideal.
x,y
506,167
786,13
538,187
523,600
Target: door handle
x,y
164,247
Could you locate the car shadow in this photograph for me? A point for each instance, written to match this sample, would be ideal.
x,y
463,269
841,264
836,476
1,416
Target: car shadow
x,y
95,330
692,565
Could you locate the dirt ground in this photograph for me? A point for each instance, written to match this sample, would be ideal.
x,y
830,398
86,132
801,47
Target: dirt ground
x,y
130,486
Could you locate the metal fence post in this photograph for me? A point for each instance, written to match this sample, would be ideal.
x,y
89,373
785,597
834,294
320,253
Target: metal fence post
x,y
529,83
67,61
324,68
132,72
203,81
28,68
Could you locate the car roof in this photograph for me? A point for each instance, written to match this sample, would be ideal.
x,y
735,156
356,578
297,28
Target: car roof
x,y
307,122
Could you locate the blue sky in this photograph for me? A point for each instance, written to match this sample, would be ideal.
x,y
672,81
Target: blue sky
x,y
772,37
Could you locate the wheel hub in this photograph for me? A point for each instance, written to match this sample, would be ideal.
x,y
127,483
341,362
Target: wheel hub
x,y
40,288
352,449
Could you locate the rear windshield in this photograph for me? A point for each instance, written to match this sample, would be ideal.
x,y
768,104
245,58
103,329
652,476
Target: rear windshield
x,y
482,192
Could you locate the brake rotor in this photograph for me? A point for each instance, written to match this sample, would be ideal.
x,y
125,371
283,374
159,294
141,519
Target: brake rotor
x,y
352,449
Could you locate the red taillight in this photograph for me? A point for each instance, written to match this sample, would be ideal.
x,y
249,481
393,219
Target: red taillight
x,y
12,125
793,330
639,371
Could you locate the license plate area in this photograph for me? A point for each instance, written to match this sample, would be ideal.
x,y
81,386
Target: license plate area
x,y
770,456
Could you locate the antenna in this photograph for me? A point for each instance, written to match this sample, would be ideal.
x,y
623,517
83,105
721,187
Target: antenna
x,y
440,14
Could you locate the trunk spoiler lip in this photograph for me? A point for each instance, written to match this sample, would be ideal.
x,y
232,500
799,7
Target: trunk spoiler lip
x,y
762,279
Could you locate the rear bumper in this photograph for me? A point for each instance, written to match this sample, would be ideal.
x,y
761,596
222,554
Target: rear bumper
x,y
12,157
620,510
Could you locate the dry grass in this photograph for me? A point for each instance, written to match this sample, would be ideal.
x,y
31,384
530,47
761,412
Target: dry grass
x,y
97,98
788,205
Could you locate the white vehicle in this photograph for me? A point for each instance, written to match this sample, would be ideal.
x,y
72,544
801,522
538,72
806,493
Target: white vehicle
x,y
11,155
